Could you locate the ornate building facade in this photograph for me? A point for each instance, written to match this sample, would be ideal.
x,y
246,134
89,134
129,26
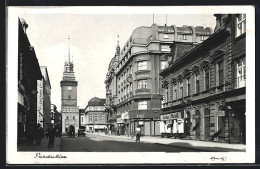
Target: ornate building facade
x,y
133,84
206,85
69,108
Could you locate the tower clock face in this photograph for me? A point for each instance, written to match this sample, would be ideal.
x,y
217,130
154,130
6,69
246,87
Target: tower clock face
x,y
69,87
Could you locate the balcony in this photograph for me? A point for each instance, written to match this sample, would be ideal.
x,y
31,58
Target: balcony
x,y
142,90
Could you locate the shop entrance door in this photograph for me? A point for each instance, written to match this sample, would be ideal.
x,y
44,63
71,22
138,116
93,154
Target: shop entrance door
x,y
197,124
206,124
187,124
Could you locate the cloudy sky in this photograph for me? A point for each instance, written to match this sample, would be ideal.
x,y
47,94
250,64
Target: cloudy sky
x,y
93,40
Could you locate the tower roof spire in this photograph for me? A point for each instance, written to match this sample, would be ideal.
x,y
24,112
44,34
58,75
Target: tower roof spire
x,y
69,48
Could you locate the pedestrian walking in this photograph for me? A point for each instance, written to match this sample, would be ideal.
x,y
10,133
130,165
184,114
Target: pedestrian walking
x,y
118,132
138,134
39,134
51,134
29,134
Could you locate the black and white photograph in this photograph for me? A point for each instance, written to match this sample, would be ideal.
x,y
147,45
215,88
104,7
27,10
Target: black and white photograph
x,y
130,85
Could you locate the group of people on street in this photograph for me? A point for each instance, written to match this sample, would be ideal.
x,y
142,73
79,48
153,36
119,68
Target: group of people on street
x,y
36,132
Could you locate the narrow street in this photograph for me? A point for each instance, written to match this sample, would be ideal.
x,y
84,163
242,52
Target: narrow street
x,y
99,143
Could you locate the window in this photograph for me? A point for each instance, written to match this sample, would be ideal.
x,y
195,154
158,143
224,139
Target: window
x,y
102,118
241,73
142,84
163,65
69,87
165,48
165,36
206,77
131,87
95,118
166,94
197,83
141,65
184,37
174,95
142,105
181,89
188,86
220,73
67,117
73,117
241,24
82,119
130,69
90,118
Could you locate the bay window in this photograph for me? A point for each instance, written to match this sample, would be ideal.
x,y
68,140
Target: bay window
x,y
142,65
142,84
142,105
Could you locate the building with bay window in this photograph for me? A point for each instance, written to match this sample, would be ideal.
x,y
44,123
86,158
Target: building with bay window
x,y
133,84
206,85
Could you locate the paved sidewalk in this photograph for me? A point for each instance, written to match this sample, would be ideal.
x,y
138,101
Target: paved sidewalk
x,y
42,147
193,144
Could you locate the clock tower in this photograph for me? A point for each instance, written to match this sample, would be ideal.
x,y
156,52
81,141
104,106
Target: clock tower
x,y
68,84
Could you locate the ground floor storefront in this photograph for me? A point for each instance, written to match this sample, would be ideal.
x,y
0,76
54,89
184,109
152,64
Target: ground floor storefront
x,y
96,127
219,119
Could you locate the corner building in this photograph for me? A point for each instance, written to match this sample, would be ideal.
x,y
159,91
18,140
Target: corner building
x,y
133,84
69,108
206,85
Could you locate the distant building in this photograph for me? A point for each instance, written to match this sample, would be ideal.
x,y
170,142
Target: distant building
x,y
206,85
56,117
133,85
44,99
82,121
69,108
95,115
28,74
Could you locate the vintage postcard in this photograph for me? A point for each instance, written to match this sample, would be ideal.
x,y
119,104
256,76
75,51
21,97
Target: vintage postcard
x,y
130,85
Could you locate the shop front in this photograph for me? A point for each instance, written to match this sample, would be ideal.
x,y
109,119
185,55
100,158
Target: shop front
x,y
147,120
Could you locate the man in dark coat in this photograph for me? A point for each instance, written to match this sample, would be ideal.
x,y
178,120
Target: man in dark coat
x,y
51,134
39,134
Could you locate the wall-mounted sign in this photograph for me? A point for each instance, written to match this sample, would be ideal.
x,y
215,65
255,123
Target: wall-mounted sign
x,y
170,116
